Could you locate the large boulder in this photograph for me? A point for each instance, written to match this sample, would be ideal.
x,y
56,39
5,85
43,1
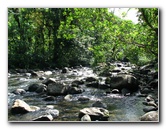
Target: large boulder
x,y
21,107
37,87
150,116
95,113
124,81
57,88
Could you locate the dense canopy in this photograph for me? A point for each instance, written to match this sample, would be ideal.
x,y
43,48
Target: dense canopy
x,y
58,37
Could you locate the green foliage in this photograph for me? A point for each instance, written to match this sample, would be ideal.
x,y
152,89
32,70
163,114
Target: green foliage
x,y
58,37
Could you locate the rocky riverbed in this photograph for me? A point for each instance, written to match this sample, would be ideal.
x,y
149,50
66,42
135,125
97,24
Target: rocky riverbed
x,y
119,91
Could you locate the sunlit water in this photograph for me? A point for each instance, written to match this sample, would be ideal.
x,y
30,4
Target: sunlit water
x,y
121,108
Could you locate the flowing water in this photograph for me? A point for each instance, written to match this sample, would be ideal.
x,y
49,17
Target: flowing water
x,y
121,108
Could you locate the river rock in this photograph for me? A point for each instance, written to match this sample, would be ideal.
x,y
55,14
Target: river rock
x,y
124,81
43,118
21,107
95,113
91,79
68,97
115,91
86,118
150,116
150,108
47,73
57,89
19,91
49,81
53,112
83,99
75,90
37,87
49,98
65,70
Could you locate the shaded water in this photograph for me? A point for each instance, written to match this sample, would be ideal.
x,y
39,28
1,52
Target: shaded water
x,y
121,108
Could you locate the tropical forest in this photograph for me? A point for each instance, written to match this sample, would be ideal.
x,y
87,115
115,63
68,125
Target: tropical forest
x,y
83,64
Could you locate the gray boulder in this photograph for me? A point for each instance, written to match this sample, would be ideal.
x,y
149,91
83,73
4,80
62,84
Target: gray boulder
x,y
19,91
95,113
21,107
57,89
150,116
86,118
124,81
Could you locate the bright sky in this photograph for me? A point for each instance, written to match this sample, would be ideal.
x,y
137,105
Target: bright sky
x,y
131,14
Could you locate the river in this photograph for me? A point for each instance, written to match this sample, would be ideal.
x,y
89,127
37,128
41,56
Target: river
x,y
121,108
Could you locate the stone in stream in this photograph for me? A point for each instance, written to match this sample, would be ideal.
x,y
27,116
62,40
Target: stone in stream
x,y
65,70
124,81
21,107
49,81
150,108
150,116
57,89
19,91
86,118
37,87
41,115
49,98
115,91
75,90
95,113
83,99
68,97
43,118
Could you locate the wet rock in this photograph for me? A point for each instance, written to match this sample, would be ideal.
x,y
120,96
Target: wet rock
x,y
151,103
115,91
83,99
37,87
47,73
91,79
86,118
77,82
95,113
49,81
149,98
44,118
42,78
99,104
41,89
21,107
65,70
116,70
27,74
68,97
53,112
150,108
49,98
33,87
75,90
19,91
35,74
150,116
93,84
124,81
57,89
